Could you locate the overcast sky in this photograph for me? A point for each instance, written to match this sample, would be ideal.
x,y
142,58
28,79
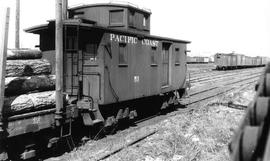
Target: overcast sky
x,y
213,26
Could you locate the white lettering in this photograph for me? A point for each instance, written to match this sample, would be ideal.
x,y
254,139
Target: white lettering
x,y
132,40
117,38
135,40
121,38
143,43
129,39
112,36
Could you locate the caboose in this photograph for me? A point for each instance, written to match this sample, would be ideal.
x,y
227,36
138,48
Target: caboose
x,y
112,64
111,58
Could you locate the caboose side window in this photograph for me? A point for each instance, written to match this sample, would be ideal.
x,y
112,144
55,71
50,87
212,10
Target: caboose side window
x,y
177,56
116,17
131,18
123,54
146,23
153,56
90,53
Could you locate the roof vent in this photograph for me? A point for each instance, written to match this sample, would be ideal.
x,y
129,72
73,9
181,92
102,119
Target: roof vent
x,y
129,4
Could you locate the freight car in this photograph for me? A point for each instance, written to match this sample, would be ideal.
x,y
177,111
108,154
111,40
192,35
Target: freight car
x,y
236,61
197,60
112,65
252,139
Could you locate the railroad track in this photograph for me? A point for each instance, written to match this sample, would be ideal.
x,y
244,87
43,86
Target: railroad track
x,y
218,84
205,77
211,78
215,72
220,81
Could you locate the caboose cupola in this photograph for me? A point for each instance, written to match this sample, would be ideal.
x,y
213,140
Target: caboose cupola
x,y
112,15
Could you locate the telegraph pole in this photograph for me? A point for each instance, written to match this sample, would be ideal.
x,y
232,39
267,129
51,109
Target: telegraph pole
x,y
59,61
65,7
3,55
17,25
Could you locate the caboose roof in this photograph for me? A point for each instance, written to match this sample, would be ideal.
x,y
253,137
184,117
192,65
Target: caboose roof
x,y
115,4
84,24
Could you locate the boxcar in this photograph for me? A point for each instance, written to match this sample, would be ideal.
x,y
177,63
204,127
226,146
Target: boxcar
x,y
197,60
223,61
234,61
111,66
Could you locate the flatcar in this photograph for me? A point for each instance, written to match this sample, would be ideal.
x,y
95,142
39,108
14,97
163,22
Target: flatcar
x,y
235,61
111,66
251,141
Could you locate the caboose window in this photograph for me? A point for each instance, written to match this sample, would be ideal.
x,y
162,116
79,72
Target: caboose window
x,y
131,18
122,54
153,56
177,56
144,21
90,54
116,17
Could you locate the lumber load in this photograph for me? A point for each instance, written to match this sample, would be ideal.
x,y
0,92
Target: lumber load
x,y
29,102
13,54
17,68
20,85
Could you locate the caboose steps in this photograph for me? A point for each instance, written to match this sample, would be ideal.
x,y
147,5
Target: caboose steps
x,y
90,112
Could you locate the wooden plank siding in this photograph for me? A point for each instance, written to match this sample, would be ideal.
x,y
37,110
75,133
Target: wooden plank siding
x,y
119,81
148,83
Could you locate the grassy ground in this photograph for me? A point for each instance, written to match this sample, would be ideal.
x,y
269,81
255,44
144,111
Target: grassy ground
x,y
201,135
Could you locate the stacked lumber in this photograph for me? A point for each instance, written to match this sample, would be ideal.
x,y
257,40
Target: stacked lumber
x,y
28,84
29,102
27,67
21,85
14,54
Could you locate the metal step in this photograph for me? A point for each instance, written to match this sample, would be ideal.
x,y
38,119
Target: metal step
x,y
97,121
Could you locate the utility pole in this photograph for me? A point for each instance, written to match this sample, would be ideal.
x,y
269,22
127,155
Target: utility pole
x,y
17,25
3,55
59,61
65,7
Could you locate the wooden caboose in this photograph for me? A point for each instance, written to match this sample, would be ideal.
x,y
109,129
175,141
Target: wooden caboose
x,y
113,69
111,62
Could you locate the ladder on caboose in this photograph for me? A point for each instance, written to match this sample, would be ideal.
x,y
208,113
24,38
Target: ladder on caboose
x,y
73,76
72,61
70,55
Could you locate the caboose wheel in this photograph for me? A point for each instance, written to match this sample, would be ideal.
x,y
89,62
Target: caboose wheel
x,y
3,151
3,155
